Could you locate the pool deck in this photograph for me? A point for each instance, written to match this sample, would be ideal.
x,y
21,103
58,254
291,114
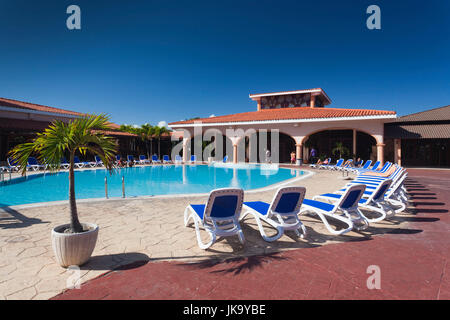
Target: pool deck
x,y
143,243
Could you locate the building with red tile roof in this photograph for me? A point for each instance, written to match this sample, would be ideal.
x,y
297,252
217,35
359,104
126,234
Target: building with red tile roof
x,y
303,121
19,121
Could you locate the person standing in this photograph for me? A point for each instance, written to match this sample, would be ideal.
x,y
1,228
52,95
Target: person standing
x,y
268,156
313,155
292,157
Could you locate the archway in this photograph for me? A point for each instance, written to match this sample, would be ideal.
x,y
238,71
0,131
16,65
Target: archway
x,y
286,145
203,142
326,143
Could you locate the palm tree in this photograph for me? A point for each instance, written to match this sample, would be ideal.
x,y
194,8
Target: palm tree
x,y
339,147
147,132
158,132
82,135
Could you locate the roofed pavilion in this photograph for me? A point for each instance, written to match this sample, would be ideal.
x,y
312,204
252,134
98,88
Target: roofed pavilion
x,y
300,115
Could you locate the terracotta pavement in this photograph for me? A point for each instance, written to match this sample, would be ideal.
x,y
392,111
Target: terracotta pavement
x,y
413,264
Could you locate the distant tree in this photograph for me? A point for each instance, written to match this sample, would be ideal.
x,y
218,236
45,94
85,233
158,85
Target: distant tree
x,y
340,148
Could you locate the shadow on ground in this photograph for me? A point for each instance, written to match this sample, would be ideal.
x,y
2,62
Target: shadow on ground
x,y
11,219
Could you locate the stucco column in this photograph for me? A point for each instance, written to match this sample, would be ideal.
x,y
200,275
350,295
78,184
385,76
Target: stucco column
x,y
398,151
235,153
380,153
312,102
185,151
354,143
298,153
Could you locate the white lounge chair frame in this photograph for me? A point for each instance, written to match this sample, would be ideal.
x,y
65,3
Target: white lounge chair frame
x,y
349,215
379,204
215,226
280,221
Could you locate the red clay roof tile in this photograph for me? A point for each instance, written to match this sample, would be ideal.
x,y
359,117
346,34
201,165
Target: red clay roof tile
x,y
290,114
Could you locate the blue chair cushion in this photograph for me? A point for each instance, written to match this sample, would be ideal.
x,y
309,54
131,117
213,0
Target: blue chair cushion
x,y
259,206
332,195
288,202
351,199
199,209
224,206
318,204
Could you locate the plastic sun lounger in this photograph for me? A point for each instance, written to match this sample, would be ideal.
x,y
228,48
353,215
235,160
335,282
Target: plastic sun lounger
x,y
143,159
34,165
98,161
225,159
281,213
178,159
81,164
346,167
345,210
396,196
166,159
130,158
325,166
193,159
363,168
155,159
219,216
375,202
13,165
64,164
373,169
337,165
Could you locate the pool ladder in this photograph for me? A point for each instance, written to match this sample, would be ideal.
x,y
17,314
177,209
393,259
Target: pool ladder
x,y
106,187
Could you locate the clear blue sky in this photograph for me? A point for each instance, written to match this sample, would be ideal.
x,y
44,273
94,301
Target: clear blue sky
x,y
170,60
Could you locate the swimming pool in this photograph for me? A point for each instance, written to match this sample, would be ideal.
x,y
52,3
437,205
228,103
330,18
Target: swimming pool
x,y
139,181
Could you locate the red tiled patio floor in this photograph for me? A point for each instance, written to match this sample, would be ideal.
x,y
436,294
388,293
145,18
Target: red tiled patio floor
x,y
413,262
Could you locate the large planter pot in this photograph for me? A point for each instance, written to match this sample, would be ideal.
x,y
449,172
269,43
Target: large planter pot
x,y
74,248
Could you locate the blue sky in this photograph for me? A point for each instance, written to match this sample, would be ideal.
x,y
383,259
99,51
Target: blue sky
x,y
151,61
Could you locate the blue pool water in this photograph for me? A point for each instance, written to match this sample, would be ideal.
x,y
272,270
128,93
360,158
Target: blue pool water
x,y
139,181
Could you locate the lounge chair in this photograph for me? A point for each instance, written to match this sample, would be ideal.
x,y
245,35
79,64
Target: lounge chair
x,y
117,159
325,166
166,159
314,165
363,168
346,167
373,169
34,165
143,160
130,159
155,159
98,161
13,164
81,164
178,159
345,210
281,213
193,159
225,159
374,202
219,216
64,164
337,165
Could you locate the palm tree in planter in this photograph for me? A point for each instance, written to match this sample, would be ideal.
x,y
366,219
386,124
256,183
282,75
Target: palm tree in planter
x,y
339,148
72,243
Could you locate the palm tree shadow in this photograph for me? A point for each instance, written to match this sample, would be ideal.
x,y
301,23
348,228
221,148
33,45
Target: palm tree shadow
x,y
12,219
236,265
